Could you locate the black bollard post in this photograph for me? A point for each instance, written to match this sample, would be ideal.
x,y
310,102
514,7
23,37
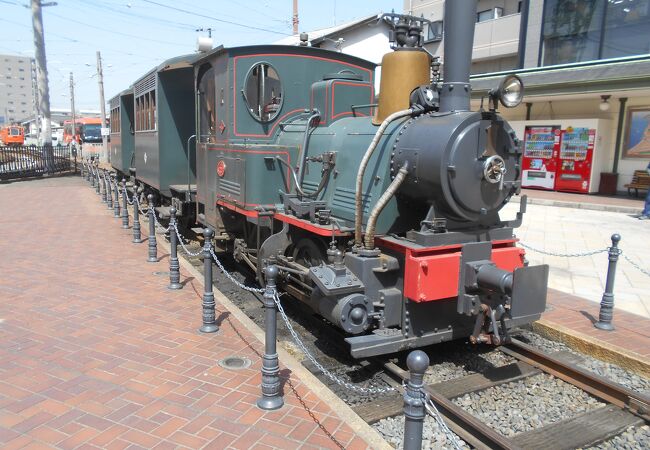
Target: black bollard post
x,y
153,245
98,187
174,266
125,206
208,305
414,400
103,175
116,203
606,313
109,194
137,237
271,398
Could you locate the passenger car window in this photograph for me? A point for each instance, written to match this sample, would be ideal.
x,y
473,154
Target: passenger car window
x,y
263,92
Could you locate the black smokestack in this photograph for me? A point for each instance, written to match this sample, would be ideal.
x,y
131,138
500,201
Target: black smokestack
x,y
460,20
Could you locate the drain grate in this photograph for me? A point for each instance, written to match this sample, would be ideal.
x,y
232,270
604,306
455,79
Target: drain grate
x,y
161,273
235,363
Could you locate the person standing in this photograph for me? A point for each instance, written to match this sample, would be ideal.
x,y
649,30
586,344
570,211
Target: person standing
x,y
645,215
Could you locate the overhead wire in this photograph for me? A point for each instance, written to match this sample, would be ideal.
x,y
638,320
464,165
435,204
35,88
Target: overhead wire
x,y
229,22
94,26
132,14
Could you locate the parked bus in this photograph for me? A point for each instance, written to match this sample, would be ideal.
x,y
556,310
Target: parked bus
x,y
12,135
89,129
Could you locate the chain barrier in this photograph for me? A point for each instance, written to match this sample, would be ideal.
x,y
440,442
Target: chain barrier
x,y
636,266
589,253
433,412
231,278
185,249
155,219
563,255
134,198
318,365
143,212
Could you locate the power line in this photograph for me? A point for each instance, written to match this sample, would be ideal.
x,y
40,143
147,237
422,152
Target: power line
x,y
94,26
192,13
130,14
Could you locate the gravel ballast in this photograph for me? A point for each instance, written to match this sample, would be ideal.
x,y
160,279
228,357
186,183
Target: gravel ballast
x,y
392,429
610,371
527,404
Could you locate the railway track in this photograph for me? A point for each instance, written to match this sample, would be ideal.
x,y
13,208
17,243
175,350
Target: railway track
x,y
624,408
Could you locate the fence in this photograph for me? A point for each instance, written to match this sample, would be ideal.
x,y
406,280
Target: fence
x,y
29,161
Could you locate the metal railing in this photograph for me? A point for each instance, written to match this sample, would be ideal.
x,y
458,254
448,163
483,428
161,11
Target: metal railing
x,y
29,161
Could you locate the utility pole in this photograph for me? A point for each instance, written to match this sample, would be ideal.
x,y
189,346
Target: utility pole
x,y
37,116
41,75
72,108
295,20
100,79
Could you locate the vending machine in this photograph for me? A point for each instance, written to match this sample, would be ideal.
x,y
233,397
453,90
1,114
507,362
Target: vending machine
x,y
574,173
541,148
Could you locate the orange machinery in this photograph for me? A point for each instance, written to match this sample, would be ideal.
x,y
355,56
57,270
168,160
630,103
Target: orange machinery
x,y
88,129
12,135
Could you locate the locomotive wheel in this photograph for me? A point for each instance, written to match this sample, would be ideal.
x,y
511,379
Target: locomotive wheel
x,y
309,252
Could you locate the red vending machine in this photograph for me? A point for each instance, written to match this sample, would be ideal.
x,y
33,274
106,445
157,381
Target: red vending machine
x,y
575,160
541,148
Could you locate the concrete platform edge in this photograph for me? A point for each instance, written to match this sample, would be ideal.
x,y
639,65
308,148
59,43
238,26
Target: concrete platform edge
x,y
591,206
363,430
593,347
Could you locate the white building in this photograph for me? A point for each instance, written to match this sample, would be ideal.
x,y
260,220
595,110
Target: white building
x,y
585,64
16,88
365,38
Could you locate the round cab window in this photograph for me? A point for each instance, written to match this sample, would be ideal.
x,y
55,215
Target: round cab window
x,y
263,92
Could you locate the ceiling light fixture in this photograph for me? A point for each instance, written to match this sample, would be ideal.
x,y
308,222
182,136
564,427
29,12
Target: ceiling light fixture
x,y
604,105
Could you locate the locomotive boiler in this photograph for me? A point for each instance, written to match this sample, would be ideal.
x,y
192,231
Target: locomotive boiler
x,y
382,215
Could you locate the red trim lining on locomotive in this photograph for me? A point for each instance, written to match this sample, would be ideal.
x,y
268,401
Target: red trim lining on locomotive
x,y
319,230
277,121
347,83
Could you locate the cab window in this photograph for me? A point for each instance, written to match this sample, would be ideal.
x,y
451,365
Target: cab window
x,y
263,92
207,102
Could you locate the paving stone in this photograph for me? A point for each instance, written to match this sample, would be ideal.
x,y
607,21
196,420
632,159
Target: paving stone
x,y
95,351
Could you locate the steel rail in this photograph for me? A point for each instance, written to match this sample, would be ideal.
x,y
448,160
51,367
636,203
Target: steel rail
x,y
600,387
466,426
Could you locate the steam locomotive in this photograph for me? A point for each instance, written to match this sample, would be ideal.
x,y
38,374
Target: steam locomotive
x,y
382,217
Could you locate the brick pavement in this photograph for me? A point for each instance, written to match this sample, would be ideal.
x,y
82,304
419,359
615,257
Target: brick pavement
x,y
95,352
577,316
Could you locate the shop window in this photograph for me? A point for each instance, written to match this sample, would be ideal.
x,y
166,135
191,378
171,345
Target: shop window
x,y
627,26
207,104
489,14
263,92
581,30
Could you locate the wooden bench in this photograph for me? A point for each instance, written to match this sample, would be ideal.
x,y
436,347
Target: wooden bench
x,y
640,180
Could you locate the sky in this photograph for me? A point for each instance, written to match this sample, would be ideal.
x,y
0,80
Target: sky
x,y
136,35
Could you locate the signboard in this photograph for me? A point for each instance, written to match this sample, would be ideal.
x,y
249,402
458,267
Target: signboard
x,y
106,131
